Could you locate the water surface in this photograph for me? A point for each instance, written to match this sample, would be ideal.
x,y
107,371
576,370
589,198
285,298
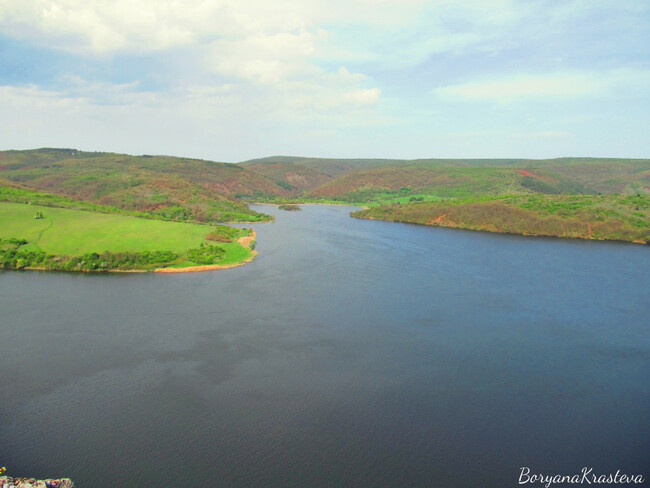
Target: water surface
x,y
350,353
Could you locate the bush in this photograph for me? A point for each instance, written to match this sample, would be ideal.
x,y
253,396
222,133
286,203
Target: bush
x,y
205,254
13,257
222,233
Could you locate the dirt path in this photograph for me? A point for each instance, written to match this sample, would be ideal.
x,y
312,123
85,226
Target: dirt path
x,y
40,234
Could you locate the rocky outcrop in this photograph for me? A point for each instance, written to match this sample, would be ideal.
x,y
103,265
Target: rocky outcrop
x,y
8,482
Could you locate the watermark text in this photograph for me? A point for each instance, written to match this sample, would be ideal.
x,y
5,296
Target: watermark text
x,y
586,476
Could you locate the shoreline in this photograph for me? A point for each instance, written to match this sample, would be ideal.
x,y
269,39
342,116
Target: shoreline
x,y
245,241
206,267
444,225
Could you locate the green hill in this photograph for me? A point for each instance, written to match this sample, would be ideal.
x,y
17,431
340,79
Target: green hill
x,y
162,186
504,195
330,167
294,178
601,217
299,175
381,180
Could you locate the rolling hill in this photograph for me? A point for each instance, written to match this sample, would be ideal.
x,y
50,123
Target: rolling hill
x,y
599,217
378,180
161,186
182,189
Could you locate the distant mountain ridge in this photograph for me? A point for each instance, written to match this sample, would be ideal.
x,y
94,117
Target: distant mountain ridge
x,y
176,188
356,180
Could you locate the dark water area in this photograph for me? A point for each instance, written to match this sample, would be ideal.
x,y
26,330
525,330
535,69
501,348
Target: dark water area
x,y
349,353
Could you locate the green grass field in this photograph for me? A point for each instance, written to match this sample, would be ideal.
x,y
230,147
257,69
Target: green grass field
x,y
65,231
77,232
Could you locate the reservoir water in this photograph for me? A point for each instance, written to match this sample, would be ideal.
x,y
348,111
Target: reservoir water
x,y
349,353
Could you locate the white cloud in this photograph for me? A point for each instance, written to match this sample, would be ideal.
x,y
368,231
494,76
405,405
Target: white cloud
x,y
521,86
264,57
253,43
99,26
362,97
121,117
252,68
104,27
546,87
95,25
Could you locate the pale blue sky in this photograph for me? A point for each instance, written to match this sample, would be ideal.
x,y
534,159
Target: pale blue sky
x,y
231,80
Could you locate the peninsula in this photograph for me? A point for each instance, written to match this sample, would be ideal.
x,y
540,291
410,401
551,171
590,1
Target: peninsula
x,y
63,239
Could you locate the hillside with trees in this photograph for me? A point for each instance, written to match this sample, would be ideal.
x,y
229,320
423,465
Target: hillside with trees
x,y
599,217
599,198
365,181
163,187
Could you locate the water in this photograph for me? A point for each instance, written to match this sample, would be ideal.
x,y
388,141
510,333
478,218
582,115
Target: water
x,y
348,354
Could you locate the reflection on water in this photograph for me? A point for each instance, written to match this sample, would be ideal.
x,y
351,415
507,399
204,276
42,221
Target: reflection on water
x,y
349,353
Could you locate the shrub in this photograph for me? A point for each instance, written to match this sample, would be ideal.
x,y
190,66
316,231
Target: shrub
x,y
222,233
205,254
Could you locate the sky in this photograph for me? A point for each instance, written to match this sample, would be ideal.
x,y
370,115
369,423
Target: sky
x,y
231,80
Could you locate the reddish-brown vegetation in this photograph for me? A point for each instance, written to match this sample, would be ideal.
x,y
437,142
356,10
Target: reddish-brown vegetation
x,y
613,218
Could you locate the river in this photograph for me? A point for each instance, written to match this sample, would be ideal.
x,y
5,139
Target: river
x,y
349,353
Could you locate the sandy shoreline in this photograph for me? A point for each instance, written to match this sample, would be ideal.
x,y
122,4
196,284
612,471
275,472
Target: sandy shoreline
x,y
246,240
208,267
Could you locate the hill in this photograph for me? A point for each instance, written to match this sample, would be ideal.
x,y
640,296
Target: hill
x,y
299,175
381,180
162,186
601,217
331,167
490,194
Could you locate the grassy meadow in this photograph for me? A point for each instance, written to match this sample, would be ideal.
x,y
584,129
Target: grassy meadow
x,y
67,232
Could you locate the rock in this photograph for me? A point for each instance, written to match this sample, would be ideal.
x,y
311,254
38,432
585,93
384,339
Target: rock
x,y
8,482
